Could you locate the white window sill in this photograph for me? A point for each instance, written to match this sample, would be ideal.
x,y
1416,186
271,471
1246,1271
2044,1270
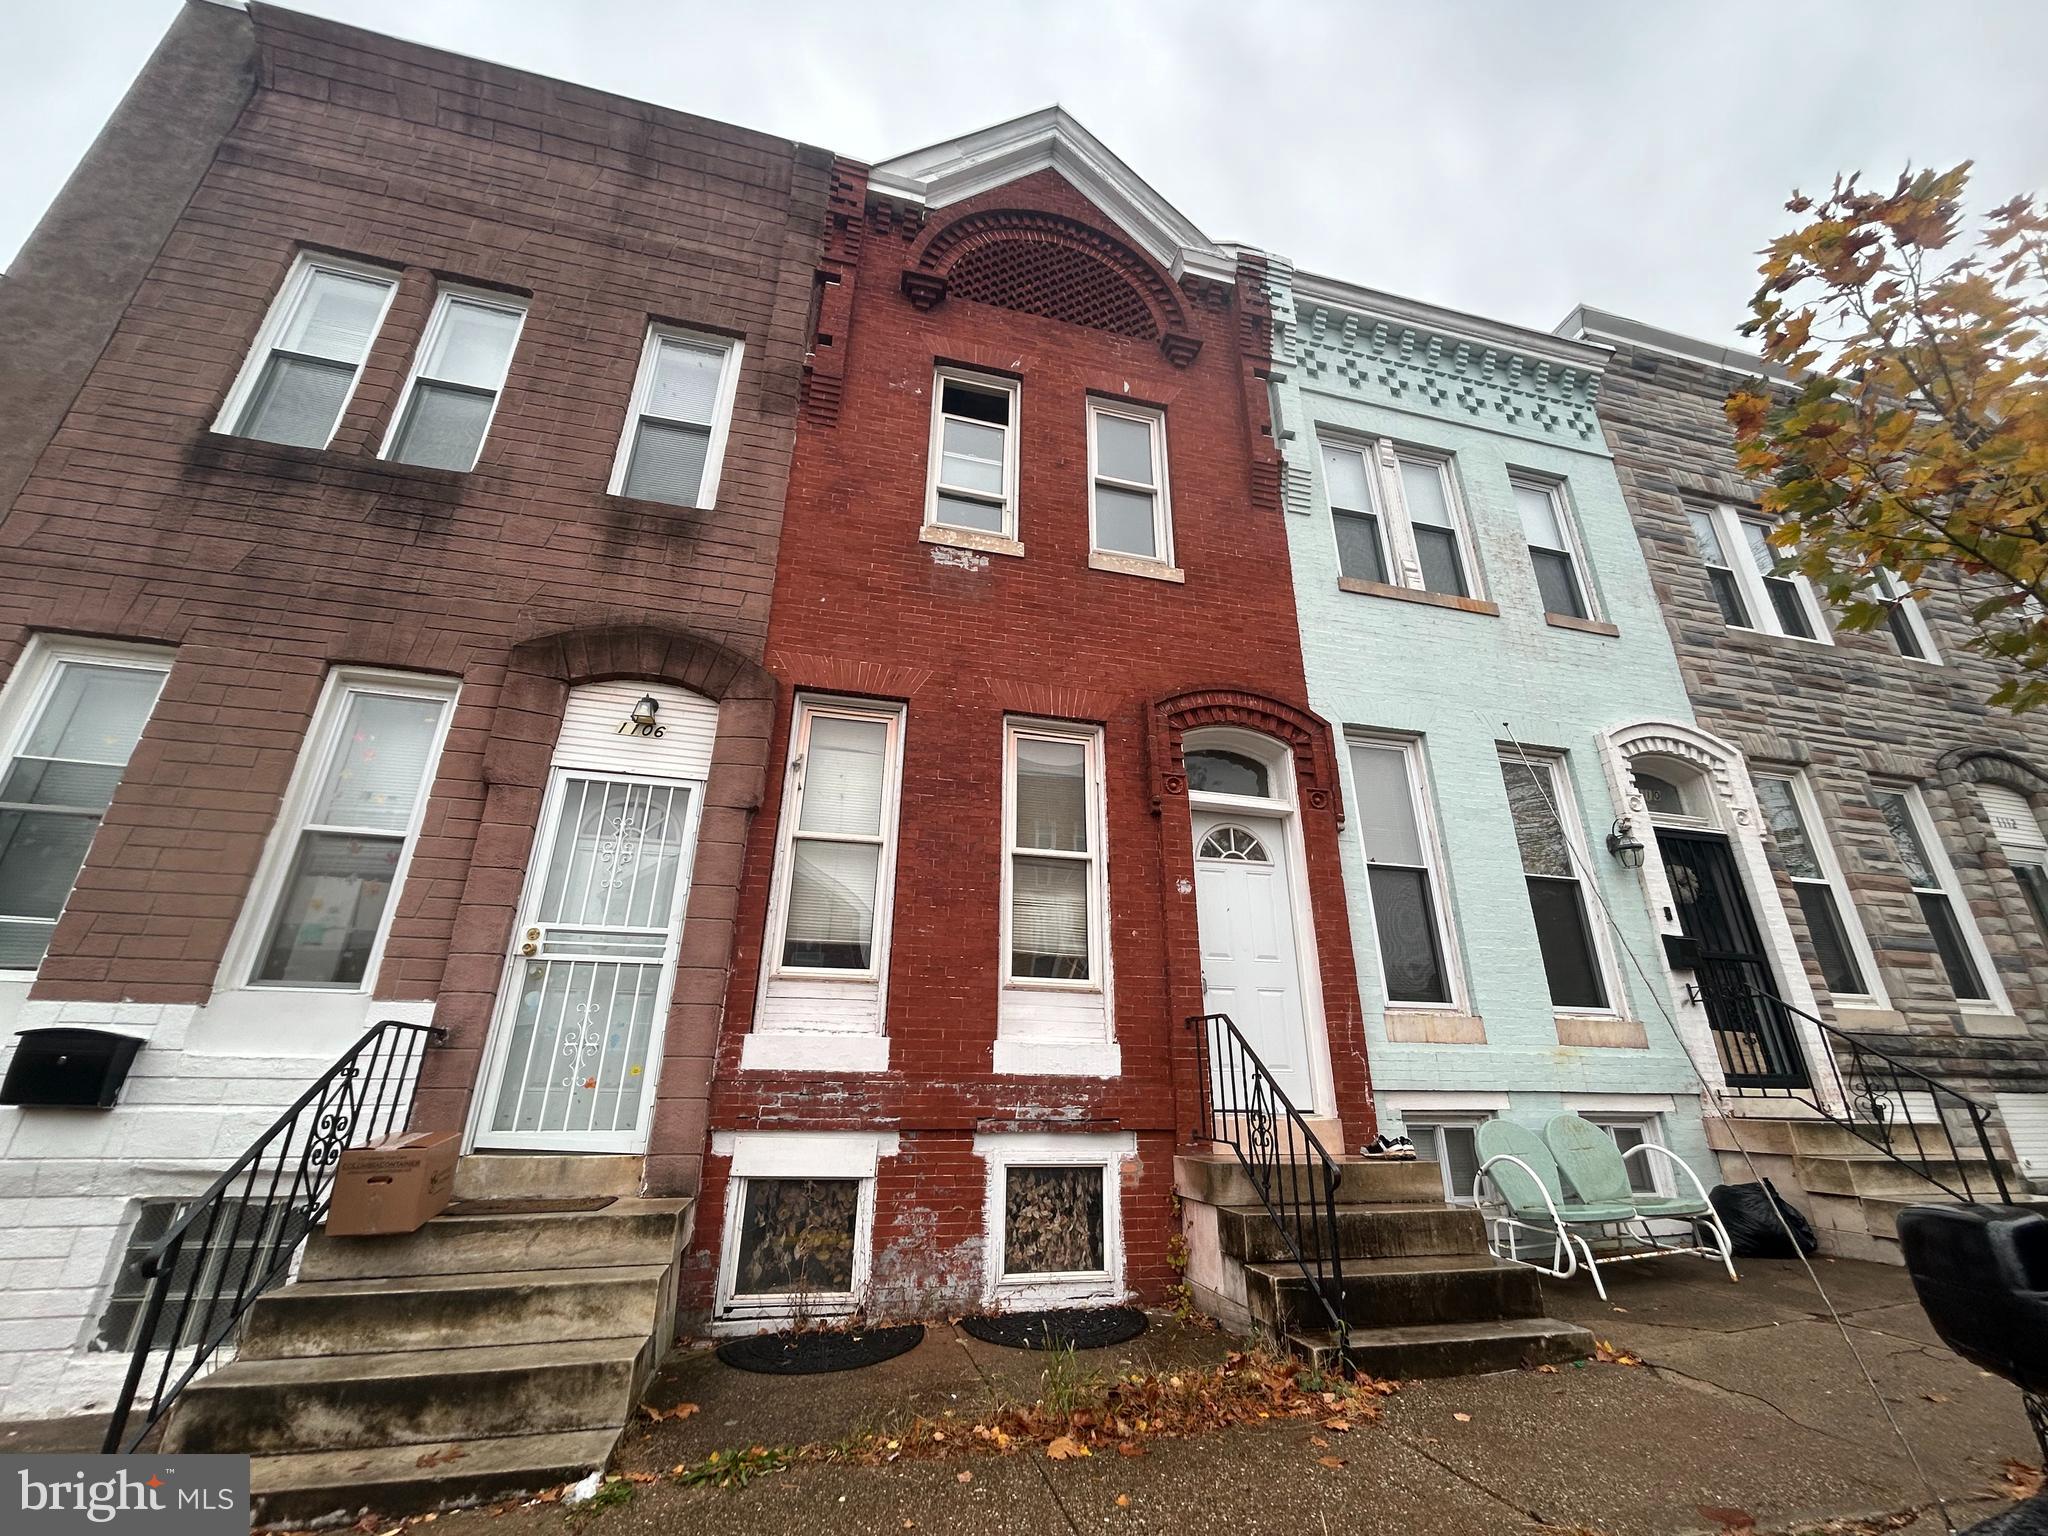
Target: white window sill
x,y
813,1051
1135,565
970,538
1058,1058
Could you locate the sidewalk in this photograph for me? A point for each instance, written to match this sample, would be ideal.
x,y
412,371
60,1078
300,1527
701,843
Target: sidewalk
x,y
1746,1404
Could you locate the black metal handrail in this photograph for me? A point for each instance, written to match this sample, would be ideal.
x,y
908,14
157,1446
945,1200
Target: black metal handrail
x,y
1292,1173
1877,1082
231,1245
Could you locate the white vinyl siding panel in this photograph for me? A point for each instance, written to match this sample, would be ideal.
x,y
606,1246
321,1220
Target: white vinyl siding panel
x,y
591,738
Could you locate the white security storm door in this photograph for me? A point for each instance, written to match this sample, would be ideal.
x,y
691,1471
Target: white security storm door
x,y
579,1030
1246,919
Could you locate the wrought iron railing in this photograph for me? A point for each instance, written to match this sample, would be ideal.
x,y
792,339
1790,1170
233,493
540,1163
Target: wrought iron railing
x,y
239,1238
1292,1173
1873,1101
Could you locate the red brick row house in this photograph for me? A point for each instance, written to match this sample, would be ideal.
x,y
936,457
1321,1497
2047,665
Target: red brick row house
x,y
1045,783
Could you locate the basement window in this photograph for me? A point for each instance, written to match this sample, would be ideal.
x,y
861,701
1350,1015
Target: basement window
x,y
1054,1217
259,1242
1052,1222
1453,1147
796,1239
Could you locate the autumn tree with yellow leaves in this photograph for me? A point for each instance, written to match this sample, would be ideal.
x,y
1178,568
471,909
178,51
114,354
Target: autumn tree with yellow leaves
x,y
1912,438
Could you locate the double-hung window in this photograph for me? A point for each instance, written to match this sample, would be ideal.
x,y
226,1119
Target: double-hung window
x,y
973,454
2025,843
1743,574
1903,619
1402,871
1935,888
456,379
1838,942
85,710
1053,858
299,376
840,836
351,816
1553,548
1397,518
676,425
1553,857
1127,495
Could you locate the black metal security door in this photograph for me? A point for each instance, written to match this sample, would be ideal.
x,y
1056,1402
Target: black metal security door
x,y
1752,1034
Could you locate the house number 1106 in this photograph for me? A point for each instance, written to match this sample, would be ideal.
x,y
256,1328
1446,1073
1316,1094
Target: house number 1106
x,y
641,728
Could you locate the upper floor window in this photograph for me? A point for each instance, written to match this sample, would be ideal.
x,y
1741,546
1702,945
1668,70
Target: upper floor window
x,y
1422,540
839,836
76,713
1127,496
1402,871
974,454
303,368
1553,856
1838,943
322,903
1903,619
1940,896
674,442
1553,548
1744,576
456,378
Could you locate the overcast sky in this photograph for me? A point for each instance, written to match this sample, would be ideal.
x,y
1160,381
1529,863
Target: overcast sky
x,y
1509,157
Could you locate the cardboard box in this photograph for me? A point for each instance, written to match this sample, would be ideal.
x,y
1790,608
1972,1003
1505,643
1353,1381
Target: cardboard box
x,y
394,1185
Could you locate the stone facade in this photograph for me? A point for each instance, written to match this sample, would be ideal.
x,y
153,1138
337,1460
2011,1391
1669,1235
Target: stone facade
x,y
254,571
1848,715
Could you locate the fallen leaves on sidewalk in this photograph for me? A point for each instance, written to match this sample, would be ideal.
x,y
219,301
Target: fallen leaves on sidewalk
x,y
2019,1481
680,1412
1065,1448
1607,1354
1333,1462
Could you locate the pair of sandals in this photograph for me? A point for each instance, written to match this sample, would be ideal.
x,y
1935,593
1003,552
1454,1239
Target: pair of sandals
x,y
1397,1149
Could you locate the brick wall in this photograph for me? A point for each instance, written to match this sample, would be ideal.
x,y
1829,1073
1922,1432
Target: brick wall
x,y
1847,714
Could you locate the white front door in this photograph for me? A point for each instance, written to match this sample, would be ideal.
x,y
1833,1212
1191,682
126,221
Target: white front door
x,y
578,1035
1246,917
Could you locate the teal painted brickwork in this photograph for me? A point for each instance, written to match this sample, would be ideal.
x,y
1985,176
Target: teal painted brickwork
x,y
1465,682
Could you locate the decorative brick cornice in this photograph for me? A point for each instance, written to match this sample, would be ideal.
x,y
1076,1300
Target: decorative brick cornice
x,y
924,289
1256,369
1306,734
1180,350
824,380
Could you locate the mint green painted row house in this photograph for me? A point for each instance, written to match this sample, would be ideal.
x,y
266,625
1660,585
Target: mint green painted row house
x,y
1479,625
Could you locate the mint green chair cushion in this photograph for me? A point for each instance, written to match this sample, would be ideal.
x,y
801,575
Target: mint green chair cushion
x,y
1590,1161
1672,1205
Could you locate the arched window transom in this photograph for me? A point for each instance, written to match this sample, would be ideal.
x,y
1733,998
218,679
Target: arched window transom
x,y
1236,845
1213,771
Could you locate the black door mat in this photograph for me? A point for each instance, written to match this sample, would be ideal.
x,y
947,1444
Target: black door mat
x,y
529,1205
1082,1327
812,1351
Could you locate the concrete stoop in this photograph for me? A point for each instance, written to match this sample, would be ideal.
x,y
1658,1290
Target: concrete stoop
x,y
481,1356
1849,1189
1422,1295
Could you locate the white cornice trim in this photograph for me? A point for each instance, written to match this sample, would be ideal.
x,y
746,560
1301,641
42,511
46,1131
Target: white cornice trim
x,y
957,169
1618,330
1540,346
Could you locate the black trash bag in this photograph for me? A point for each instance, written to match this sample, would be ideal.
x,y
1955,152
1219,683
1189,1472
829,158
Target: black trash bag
x,y
1745,1210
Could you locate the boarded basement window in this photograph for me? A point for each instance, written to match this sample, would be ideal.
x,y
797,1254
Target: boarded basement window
x,y
797,1236
1052,1222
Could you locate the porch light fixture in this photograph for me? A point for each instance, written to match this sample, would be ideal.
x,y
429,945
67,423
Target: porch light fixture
x,y
1623,843
645,711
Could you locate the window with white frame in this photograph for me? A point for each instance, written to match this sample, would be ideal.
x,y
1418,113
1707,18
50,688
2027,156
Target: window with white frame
x,y
1403,871
1053,895
1127,496
1627,1133
839,833
973,454
674,442
2024,841
303,369
350,819
457,376
1743,573
1903,619
799,1222
1423,541
1451,1143
1553,548
1053,1215
1553,856
1956,940
75,713
1839,945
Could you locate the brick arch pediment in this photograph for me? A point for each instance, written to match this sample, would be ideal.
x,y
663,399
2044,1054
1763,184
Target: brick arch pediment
x,y
1304,733
1048,264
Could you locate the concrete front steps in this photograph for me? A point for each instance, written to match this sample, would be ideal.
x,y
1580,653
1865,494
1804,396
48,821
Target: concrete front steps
x,y
481,1356
1422,1296
1848,1188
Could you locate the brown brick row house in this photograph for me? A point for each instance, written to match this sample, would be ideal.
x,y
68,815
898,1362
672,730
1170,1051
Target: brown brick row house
x,y
385,427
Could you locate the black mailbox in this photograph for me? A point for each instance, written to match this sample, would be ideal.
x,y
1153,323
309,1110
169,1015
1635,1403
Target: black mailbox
x,y
1982,1275
1682,952
80,1067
